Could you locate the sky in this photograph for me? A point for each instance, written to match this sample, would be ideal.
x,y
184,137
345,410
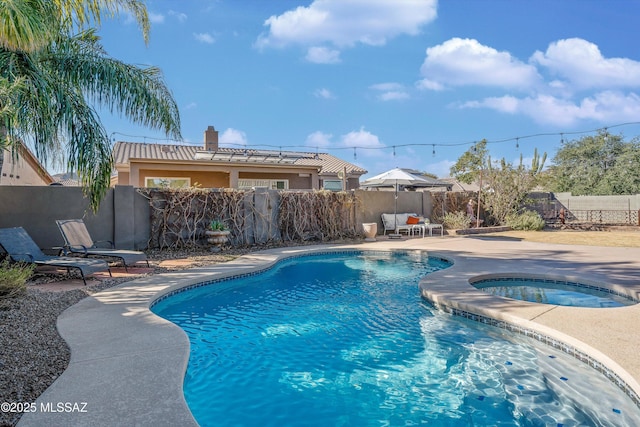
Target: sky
x,y
390,83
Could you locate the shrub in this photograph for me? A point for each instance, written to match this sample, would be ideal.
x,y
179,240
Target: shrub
x,y
13,279
456,220
527,220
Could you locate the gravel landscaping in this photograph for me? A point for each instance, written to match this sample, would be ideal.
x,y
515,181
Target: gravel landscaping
x,y
32,353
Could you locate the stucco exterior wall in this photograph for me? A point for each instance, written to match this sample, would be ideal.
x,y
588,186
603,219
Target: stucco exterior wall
x,y
123,220
19,171
201,178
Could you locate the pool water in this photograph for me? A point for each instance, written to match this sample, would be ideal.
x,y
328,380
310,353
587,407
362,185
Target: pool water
x,y
553,292
346,340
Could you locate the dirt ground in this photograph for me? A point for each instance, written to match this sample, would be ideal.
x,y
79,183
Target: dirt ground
x,y
613,236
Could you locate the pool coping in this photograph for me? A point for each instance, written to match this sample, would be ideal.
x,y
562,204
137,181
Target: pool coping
x,y
127,364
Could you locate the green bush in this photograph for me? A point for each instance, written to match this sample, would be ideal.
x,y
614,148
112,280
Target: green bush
x,y
527,220
456,220
13,279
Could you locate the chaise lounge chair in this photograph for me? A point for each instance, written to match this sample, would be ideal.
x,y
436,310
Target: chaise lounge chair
x,y
77,240
21,248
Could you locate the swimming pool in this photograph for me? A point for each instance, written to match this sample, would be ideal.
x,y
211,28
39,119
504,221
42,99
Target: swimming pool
x,y
556,292
345,339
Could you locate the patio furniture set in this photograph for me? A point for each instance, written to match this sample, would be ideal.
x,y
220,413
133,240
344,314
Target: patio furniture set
x,y
409,223
20,247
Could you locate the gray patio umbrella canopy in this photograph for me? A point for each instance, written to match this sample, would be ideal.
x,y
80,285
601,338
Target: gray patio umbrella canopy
x,y
395,177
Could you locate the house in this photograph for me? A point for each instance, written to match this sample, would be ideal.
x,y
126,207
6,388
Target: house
x,y
211,166
21,167
459,186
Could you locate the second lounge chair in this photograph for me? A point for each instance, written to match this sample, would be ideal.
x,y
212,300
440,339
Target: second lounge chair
x,y
77,240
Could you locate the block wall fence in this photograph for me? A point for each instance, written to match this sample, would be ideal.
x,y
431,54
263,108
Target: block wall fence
x,y
124,215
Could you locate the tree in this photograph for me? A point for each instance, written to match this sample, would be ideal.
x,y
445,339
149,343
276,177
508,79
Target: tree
x,y
507,186
50,88
469,168
596,165
470,165
503,187
30,25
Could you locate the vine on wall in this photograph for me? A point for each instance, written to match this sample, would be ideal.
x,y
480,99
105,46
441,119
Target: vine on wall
x,y
318,215
450,202
179,217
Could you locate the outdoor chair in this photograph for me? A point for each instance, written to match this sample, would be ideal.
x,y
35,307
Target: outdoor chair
x,y
77,240
20,247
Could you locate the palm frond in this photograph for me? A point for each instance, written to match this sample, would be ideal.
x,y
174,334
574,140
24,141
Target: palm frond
x,y
140,94
26,25
85,13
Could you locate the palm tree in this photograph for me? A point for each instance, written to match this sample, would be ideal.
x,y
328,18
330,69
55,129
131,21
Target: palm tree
x,y
49,87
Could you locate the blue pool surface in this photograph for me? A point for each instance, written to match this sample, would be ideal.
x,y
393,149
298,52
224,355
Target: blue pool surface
x,y
346,340
554,292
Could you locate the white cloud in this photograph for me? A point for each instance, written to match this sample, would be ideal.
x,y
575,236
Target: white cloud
x,y
181,17
386,86
204,38
190,106
323,55
319,139
462,62
429,85
390,91
347,23
551,80
324,94
582,64
361,139
504,104
233,137
156,18
607,106
393,96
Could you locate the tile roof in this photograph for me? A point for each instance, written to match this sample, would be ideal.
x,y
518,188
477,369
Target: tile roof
x,y
123,151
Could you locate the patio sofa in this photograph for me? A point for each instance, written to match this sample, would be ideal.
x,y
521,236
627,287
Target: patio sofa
x,y
390,225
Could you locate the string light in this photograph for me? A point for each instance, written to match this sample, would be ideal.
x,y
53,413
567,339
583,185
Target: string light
x,y
355,156
455,144
433,153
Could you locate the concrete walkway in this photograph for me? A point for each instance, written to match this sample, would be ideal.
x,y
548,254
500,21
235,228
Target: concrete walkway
x,y
127,365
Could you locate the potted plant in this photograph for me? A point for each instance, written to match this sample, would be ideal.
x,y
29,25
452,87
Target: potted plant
x,y
218,233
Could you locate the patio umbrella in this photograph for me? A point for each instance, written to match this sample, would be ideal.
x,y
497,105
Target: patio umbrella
x,y
395,177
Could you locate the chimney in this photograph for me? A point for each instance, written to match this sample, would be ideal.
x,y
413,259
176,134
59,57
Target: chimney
x,y
211,139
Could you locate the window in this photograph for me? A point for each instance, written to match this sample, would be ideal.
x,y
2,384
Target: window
x,y
273,184
333,185
158,182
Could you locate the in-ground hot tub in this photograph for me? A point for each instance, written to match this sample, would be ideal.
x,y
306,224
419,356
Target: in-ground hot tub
x,y
554,292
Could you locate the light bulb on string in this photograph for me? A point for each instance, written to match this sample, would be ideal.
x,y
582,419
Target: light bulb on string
x,y
517,144
355,156
433,153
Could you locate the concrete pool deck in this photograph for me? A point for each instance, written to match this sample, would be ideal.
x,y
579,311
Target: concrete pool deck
x,y
127,365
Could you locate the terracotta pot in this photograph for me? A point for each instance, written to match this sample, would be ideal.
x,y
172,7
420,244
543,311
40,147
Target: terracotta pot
x,y
370,231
